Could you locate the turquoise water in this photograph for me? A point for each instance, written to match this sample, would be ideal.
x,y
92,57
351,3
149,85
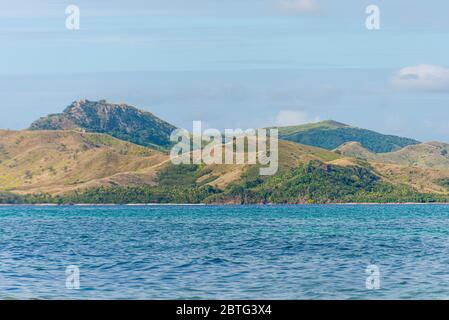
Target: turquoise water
x,y
235,252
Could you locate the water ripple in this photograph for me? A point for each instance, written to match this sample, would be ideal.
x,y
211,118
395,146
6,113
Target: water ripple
x,y
235,252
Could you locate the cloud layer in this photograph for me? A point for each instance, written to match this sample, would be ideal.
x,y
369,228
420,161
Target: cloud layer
x,y
299,6
294,117
422,78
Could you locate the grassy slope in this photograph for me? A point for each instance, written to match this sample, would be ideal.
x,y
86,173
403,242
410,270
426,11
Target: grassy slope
x,y
421,166
59,161
308,174
424,155
220,176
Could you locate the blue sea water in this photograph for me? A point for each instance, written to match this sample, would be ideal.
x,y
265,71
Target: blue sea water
x,y
225,252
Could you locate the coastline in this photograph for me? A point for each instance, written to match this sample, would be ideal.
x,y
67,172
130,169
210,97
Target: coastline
x,y
222,204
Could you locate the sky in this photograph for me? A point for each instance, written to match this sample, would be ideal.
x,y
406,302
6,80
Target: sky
x,y
234,63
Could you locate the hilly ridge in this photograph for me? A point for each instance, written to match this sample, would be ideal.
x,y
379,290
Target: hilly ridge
x,y
424,155
98,152
59,161
77,167
55,162
118,120
331,134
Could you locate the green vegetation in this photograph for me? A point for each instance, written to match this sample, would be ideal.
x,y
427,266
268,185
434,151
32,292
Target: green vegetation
x,y
179,175
138,194
117,195
9,198
444,183
328,124
317,182
312,183
330,135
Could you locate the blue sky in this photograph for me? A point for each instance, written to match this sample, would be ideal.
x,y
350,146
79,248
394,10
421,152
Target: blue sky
x,y
233,63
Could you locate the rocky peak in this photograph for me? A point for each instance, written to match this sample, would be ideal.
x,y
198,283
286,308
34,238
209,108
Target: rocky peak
x,y
119,120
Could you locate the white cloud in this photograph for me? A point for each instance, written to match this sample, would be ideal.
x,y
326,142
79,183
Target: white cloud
x,y
294,117
299,6
422,78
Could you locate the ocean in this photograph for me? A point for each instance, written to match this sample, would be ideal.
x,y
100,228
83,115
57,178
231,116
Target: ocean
x,y
224,252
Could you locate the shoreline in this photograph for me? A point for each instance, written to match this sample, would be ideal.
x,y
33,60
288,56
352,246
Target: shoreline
x,y
221,205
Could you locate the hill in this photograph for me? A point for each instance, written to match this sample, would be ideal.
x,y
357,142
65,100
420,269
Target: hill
x,y
425,166
331,134
77,167
97,152
59,161
423,155
55,162
118,120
